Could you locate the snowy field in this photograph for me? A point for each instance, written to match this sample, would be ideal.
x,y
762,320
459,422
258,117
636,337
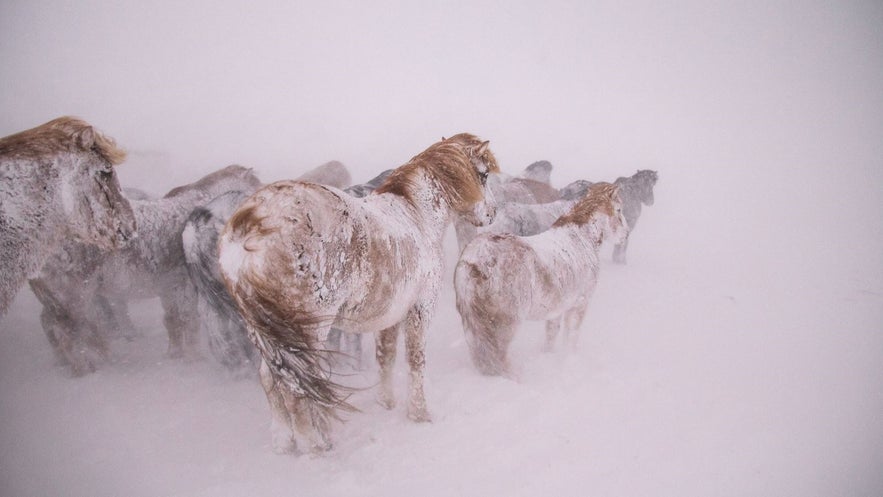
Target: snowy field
x,y
709,365
739,353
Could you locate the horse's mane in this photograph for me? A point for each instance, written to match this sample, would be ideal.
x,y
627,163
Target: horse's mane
x,y
207,181
65,134
448,165
599,197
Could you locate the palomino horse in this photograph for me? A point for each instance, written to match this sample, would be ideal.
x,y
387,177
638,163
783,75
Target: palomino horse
x,y
74,285
300,257
635,190
58,183
502,280
218,315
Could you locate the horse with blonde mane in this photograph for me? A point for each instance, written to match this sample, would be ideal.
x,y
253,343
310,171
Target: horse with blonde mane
x,y
300,257
502,280
59,183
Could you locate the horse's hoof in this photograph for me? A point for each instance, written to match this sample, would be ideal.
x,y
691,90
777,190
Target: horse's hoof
x,y
284,444
420,416
387,401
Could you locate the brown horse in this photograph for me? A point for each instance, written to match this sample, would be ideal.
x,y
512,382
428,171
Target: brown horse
x,y
300,257
502,280
58,183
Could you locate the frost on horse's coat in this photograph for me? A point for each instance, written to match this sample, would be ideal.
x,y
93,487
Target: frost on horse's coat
x,y
58,183
219,316
502,280
312,256
76,285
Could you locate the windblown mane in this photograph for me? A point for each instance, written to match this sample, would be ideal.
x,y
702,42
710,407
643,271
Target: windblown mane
x,y
599,196
448,164
65,134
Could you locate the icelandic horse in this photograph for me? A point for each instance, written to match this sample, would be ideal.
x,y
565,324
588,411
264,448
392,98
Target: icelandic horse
x,y
59,183
299,258
502,280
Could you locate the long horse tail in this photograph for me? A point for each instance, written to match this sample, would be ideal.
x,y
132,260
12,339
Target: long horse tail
x,y
487,330
228,340
290,352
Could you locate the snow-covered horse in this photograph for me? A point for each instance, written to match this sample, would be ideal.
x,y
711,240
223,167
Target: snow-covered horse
x,y
58,183
635,190
502,280
524,189
75,285
219,317
300,257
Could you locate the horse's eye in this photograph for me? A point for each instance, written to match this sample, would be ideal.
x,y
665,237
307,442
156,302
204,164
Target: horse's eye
x,y
482,175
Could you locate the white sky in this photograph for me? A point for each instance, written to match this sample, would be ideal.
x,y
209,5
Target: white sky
x,y
591,86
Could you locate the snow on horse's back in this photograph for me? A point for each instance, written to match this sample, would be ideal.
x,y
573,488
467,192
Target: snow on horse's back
x,y
502,280
300,257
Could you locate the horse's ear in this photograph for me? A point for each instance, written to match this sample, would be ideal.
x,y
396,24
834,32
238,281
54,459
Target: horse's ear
x,y
482,148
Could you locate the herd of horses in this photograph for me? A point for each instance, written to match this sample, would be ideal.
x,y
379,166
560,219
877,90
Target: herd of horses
x,y
284,278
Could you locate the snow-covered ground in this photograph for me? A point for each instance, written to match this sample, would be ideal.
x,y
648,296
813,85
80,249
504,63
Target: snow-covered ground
x,y
738,353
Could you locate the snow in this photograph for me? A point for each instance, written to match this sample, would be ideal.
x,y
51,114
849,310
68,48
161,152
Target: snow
x,y
758,376
738,353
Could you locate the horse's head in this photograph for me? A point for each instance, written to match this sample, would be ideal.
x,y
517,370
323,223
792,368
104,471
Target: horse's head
x,y
98,210
646,180
484,209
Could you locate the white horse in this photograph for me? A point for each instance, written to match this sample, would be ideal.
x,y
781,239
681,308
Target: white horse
x,y
58,183
218,315
77,286
502,280
300,257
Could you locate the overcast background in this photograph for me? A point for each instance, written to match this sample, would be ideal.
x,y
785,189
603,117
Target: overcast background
x,y
765,247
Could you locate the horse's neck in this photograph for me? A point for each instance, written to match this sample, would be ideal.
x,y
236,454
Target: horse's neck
x,y
431,210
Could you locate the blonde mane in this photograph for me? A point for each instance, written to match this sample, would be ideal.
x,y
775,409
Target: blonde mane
x,y
65,134
448,164
600,196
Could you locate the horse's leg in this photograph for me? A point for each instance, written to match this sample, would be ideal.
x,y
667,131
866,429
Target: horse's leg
x,y
181,319
553,326
281,428
386,358
619,251
415,346
573,319
354,341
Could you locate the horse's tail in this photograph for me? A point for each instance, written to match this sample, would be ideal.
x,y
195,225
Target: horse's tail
x,y
290,351
228,340
488,332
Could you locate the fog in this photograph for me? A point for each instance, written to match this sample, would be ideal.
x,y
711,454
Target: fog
x,y
738,353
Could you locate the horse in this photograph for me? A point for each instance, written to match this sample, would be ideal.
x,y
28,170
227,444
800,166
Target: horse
x,y
76,286
59,183
634,190
300,257
523,189
332,173
219,317
502,280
